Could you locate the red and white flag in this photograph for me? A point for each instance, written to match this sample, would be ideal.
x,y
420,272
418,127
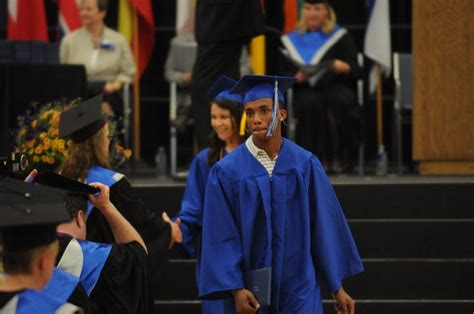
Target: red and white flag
x,y
69,18
27,20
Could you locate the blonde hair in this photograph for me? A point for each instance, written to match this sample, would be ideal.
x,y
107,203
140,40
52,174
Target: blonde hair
x,y
22,262
83,156
328,25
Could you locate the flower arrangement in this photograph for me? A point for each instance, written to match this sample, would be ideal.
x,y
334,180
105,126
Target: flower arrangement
x,y
37,135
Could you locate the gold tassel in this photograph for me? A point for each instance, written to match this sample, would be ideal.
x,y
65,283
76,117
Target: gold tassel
x,y
243,122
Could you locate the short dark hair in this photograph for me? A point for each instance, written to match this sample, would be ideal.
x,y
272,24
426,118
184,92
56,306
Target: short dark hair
x,y
21,262
74,204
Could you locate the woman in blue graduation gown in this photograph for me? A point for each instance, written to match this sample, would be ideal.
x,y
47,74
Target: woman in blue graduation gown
x,y
226,112
325,100
270,204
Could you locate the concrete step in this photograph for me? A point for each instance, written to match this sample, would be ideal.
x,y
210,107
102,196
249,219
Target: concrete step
x,y
410,306
413,238
382,279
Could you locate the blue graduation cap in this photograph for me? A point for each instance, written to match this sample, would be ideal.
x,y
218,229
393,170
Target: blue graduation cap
x,y
255,87
221,90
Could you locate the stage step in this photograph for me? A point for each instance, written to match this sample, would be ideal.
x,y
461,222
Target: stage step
x,y
411,306
364,201
382,279
409,238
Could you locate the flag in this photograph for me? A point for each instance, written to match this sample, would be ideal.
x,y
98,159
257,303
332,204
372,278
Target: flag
x,y
292,11
185,16
377,43
136,23
257,52
27,20
69,18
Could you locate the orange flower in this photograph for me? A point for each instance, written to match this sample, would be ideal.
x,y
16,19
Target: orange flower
x,y
127,153
31,143
44,158
39,149
36,159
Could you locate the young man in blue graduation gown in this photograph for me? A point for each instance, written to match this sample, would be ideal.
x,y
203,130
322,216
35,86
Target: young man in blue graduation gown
x,y
270,204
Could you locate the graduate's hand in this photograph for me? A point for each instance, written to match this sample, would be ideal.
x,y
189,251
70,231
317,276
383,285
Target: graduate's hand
x,y
340,66
102,200
345,304
301,76
176,234
31,176
245,301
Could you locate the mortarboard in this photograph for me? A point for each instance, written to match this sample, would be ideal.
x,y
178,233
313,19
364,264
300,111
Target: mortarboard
x,y
83,120
29,214
222,90
58,181
255,87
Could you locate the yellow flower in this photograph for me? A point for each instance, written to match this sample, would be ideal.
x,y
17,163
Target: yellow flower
x,y
35,159
22,132
43,135
61,149
44,158
39,149
50,160
46,142
127,153
69,142
31,151
31,143
34,123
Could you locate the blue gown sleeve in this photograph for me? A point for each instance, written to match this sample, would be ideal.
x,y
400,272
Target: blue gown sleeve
x,y
192,204
333,247
221,258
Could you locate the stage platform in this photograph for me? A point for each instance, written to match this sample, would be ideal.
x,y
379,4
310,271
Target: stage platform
x,y
413,233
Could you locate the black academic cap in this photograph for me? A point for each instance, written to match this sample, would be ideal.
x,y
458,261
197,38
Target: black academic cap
x,y
29,214
73,187
83,120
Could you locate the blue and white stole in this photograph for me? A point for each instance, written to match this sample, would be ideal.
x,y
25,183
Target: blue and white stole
x,y
101,175
61,285
308,48
33,301
85,260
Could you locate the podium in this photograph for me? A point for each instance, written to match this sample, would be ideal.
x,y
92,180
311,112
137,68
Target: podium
x,y
21,84
443,86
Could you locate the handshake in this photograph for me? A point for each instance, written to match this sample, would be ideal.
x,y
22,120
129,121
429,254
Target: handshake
x,y
176,234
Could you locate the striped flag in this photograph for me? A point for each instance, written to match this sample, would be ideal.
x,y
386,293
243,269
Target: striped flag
x,y
69,18
27,20
137,24
377,43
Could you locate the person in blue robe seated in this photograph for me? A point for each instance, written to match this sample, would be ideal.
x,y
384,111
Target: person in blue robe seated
x,y
88,161
226,135
114,275
28,218
269,208
322,56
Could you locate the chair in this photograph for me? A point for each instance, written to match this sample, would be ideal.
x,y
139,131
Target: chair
x,y
403,103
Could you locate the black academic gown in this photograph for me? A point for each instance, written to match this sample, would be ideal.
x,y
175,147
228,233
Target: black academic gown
x,y
114,276
327,113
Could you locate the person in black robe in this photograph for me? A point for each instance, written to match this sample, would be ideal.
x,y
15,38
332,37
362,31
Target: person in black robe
x,y
222,28
322,56
87,161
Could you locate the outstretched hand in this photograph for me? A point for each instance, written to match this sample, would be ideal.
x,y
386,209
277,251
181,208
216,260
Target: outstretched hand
x,y
176,234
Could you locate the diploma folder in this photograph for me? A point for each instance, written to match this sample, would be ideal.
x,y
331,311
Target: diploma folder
x,y
259,282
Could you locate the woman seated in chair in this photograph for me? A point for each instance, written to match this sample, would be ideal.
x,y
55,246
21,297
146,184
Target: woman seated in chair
x,y
323,58
104,52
